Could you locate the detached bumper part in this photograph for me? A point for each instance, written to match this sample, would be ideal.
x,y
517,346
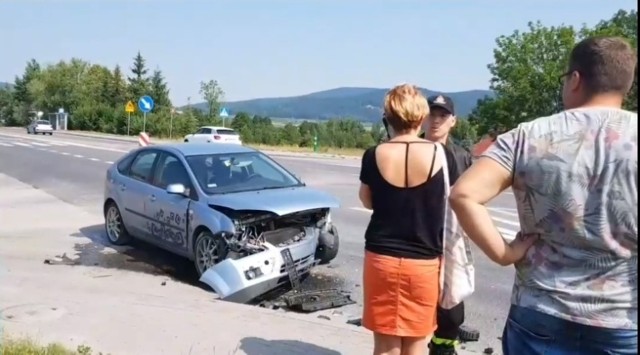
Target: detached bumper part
x,y
242,280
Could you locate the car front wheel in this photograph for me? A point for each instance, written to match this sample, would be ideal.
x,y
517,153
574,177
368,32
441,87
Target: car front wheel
x,y
209,250
116,232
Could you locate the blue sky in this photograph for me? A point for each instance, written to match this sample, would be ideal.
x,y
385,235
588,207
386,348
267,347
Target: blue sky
x,y
269,48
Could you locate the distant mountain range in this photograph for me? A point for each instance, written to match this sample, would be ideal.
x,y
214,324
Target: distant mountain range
x,y
364,104
4,85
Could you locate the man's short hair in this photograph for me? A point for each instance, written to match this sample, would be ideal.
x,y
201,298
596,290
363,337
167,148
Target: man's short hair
x,y
606,64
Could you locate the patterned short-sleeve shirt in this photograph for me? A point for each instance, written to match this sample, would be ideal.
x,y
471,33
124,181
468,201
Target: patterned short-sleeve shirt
x,y
575,180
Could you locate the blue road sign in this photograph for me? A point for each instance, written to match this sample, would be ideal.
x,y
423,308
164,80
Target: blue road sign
x,y
224,113
145,104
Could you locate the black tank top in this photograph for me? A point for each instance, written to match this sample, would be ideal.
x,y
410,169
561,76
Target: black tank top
x,y
407,222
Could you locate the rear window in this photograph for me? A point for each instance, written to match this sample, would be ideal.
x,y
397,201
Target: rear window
x,y
227,132
43,122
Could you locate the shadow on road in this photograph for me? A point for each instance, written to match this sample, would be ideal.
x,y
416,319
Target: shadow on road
x,y
258,346
138,256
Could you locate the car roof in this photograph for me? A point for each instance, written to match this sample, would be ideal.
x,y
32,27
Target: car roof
x,y
217,127
189,149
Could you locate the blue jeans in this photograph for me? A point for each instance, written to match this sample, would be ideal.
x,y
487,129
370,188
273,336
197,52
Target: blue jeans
x,y
530,332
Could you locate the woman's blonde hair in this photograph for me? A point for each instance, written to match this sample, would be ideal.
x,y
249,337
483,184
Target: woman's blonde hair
x,y
405,107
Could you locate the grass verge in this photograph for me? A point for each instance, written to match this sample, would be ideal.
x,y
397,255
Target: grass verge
x,y
29,347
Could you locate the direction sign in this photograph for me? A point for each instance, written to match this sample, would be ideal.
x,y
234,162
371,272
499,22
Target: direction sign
x,y
129,107
224,113
145,104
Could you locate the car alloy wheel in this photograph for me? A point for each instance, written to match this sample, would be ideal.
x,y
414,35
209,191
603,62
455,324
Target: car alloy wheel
x,y
116,233
209,251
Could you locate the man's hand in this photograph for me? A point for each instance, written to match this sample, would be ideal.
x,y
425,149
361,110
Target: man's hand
x,y
518,248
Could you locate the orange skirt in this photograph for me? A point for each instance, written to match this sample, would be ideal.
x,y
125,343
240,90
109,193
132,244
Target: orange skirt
x,y
400,295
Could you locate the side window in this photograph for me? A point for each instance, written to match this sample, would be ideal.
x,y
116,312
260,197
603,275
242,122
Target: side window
x,y
124,164
171,171
141,168
200,131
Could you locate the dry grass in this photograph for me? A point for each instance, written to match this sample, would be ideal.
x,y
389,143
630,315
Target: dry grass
x,y
30,347
322,150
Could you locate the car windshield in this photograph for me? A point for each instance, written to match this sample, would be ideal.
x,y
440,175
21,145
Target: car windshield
x,y
238,172
226,132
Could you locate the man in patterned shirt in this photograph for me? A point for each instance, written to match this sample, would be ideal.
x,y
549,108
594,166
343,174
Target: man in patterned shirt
x,y
575,179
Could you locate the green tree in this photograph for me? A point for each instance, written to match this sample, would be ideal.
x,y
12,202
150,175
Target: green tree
x,y
159,90
213,94
118,88
465,132
139,82
527,68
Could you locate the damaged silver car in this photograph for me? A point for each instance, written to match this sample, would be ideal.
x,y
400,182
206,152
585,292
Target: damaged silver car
x,y
245,221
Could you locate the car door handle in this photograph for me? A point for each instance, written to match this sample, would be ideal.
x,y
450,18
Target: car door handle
x,y
152,198
123,187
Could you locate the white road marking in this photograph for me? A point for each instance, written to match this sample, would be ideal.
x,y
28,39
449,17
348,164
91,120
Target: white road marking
x,y
94,159
108,162
65,153
21,144
78,156
52,151
39,144
5,144
507,227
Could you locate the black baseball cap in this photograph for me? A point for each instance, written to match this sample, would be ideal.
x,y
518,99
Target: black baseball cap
x,y
442,101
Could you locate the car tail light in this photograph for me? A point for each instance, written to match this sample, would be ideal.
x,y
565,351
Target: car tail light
x,y
216,137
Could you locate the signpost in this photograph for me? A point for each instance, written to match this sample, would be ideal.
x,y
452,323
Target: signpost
x,y
145,104
223,114
129,108
173,110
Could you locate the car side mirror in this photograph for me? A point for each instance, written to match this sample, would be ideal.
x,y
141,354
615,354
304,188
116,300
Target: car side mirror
x,y
177,189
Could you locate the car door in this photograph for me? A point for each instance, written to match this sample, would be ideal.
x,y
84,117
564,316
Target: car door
x,y
168,224
137,188
205,136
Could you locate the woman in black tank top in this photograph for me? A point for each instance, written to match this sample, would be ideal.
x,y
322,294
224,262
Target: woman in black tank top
x,y
403,183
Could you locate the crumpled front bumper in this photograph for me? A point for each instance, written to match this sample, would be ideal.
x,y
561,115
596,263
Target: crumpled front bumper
x,y
242,280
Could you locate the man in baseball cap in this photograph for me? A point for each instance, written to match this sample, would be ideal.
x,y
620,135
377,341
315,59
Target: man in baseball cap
x,y
437,128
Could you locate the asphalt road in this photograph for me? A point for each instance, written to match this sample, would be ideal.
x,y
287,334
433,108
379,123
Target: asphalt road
x,y
72,168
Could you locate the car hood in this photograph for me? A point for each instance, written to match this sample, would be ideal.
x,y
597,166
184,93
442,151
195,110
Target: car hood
x,y
279,201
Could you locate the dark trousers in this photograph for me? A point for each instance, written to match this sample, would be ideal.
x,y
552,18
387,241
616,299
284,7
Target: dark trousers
x,y
534,333
449,322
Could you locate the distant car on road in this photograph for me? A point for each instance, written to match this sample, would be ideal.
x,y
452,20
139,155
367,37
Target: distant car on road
x,y
40,126
213,134
232,210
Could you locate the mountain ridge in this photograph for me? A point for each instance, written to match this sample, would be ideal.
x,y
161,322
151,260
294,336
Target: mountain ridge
x,y
361,103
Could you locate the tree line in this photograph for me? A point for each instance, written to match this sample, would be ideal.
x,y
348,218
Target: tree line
x,y
525,78
528,66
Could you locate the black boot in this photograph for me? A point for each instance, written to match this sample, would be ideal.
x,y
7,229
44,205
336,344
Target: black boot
x,y
447,347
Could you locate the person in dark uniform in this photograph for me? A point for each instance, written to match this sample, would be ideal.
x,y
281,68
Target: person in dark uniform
x,y
441,121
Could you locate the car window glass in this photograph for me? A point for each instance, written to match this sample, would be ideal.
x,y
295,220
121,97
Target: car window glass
x,y
224,173
141,167
200,131
123,165
206,131
172,171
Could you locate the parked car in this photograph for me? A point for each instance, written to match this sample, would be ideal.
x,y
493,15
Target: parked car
x,y
212,134
40,126
231,209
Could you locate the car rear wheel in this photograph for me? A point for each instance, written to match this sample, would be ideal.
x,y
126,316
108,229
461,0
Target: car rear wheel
x,y
116,232
209,250
186,141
